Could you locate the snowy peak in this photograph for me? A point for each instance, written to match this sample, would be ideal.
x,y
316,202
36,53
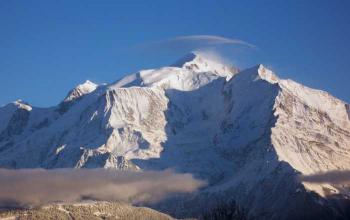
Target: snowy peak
x,y
250,137
22,105
256,73
189,73
201,62
82,89
267,74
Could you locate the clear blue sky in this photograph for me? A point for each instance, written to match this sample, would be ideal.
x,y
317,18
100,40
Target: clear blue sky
x,y
48,47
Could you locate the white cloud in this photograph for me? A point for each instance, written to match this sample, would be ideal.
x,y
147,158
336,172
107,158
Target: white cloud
x,y
331,177
185,44
209,40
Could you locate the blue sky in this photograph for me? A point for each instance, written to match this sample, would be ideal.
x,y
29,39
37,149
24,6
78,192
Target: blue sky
x,y
48,47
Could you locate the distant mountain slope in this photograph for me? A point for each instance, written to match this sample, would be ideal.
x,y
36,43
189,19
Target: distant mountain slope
x,y
249,133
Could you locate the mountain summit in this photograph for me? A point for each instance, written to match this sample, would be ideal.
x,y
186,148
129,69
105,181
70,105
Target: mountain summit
x,y
201,62
248,133
80,90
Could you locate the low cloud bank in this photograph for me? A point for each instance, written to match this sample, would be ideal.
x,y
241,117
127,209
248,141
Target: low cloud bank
x,y
331,177
33,187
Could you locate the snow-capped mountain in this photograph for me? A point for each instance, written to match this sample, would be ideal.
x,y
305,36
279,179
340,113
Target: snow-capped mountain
x,y
248,133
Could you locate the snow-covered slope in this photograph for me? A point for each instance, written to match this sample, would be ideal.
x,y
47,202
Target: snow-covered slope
x,y
248,133
86,210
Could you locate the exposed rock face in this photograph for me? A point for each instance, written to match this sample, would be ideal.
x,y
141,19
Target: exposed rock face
x,y
249,134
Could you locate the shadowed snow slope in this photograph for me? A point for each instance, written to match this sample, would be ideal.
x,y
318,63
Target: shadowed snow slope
x,y
249,133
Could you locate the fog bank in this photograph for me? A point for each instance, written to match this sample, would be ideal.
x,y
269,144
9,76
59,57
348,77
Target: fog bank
x,y
33,187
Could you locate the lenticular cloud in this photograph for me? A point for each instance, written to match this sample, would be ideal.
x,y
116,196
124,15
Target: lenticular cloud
x,y
210,40
195,42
